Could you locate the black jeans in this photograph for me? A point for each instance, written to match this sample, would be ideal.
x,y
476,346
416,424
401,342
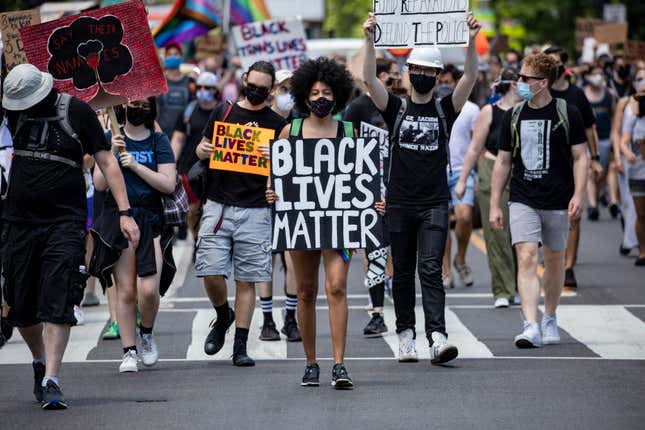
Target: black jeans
x,y
418,233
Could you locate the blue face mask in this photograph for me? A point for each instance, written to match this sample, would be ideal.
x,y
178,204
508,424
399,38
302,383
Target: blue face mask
x,y
173,63
524,90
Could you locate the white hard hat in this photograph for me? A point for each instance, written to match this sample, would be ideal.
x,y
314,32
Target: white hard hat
x,y
25,86
282,75
426,57
207,79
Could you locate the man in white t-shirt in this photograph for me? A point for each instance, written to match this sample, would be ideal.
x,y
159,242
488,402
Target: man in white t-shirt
x,y
463,208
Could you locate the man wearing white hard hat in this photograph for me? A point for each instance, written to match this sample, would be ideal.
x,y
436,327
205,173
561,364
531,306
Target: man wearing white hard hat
x,y
188,134
417,187
43,239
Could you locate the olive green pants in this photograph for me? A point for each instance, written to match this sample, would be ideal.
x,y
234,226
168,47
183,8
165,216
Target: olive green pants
x,y
501,256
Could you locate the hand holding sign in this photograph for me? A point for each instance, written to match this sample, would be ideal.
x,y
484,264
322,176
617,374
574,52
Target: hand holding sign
x,y
473,25
369,27
237,148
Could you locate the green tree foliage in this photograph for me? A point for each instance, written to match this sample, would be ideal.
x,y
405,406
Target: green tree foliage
x,y
345,17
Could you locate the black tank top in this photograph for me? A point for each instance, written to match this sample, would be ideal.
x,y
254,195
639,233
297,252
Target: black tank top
x,y
339,133
492,141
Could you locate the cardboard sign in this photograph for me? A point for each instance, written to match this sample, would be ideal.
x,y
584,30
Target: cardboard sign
x,y
585,29
104,57
235,148
406,23
327,190
281,42
209,45
634,50
372,132
610,32
10,23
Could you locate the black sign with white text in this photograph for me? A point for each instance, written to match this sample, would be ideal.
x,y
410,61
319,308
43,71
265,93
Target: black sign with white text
x,y
327,189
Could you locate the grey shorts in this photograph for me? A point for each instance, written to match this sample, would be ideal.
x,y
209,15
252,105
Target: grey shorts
x,y
230,236
549,227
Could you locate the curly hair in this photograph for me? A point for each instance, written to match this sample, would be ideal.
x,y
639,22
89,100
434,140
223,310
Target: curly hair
x,y
326,71
543,65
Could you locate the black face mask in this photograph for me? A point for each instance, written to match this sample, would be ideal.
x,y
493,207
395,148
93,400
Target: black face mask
x,y
623,72
256,95
321,107
561,70
422,84
136,116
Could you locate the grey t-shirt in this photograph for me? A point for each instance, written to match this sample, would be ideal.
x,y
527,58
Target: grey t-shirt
x,y
172,104
635,126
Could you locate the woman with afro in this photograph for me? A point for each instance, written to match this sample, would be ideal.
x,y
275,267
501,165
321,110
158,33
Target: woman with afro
x,y
321,88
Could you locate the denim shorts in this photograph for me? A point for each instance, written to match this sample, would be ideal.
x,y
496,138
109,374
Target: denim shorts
x,y
549,227
234,237
469,195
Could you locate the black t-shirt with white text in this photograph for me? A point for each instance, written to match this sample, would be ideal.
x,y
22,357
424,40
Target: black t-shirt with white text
x,y
576,97
363,109
419,153
233,188
45,191
542,171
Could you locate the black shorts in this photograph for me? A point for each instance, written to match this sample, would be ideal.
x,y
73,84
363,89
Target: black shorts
x,y
40,264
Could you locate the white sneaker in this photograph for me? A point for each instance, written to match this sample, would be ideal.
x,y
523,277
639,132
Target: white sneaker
x,y
149,352
550,335
502,302
407,347
441,351
447,280
129,363
530,336
79,315
465,274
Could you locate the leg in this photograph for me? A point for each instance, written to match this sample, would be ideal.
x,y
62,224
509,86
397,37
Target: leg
x,y
528,284
33,336
431,237
126,296
403,237
463,230
336,287
639,203
447,253
305,266
112,302
553,279
148,290
193,218
56,337
572,246
215,287
628,211
612,184
244,304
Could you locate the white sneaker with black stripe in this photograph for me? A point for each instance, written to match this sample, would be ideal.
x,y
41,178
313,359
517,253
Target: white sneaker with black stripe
x,y
440,350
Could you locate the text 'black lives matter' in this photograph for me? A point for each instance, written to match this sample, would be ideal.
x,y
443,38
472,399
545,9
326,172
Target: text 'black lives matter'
x,y
327,189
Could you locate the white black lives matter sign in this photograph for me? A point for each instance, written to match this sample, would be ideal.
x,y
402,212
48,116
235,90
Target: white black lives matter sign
x,y
327,189
412,23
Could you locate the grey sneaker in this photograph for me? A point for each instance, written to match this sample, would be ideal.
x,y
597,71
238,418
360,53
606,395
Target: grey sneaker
x,y
407,347
530,336
149,351
269,332
53,397
550,335
340,379
465,274
440,350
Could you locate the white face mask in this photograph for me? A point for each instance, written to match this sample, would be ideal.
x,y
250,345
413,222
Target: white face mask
x,y
284,102
639,86
596,80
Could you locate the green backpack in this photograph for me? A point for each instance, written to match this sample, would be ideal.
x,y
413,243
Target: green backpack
x,y
563,120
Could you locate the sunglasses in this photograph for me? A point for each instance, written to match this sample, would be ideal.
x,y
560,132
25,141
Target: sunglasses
x,y
204,87
525,78
415,70
258,87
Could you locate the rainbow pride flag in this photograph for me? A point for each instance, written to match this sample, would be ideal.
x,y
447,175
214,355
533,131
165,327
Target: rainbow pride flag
x,y
187,20
245,11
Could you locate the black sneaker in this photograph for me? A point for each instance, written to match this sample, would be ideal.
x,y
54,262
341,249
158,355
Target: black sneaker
x,y
2,340
39,374
624,251
376,326
6,328
311,377
53,397
215,339
340,380
269,332
291,330
240,359
570,279
593,214
640,262
614,210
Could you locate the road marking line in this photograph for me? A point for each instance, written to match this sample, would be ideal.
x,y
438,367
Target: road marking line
x,y
610,331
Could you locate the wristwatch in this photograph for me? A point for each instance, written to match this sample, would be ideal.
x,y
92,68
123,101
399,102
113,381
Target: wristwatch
x,y
128,212
595,157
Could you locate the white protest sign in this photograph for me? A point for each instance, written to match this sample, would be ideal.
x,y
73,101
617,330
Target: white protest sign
x,y
279,41
411,23
370,131
614,13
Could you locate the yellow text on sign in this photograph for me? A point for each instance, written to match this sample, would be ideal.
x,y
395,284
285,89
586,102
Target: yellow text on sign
x,y
235,148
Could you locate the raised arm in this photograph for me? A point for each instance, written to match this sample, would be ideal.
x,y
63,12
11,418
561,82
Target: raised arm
x,y
480,134
467,82
377,90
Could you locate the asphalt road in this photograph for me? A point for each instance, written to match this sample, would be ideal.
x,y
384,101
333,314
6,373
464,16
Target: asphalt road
x,y
594,380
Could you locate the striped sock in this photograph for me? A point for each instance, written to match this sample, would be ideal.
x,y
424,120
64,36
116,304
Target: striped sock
x,y
290,304
266,303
